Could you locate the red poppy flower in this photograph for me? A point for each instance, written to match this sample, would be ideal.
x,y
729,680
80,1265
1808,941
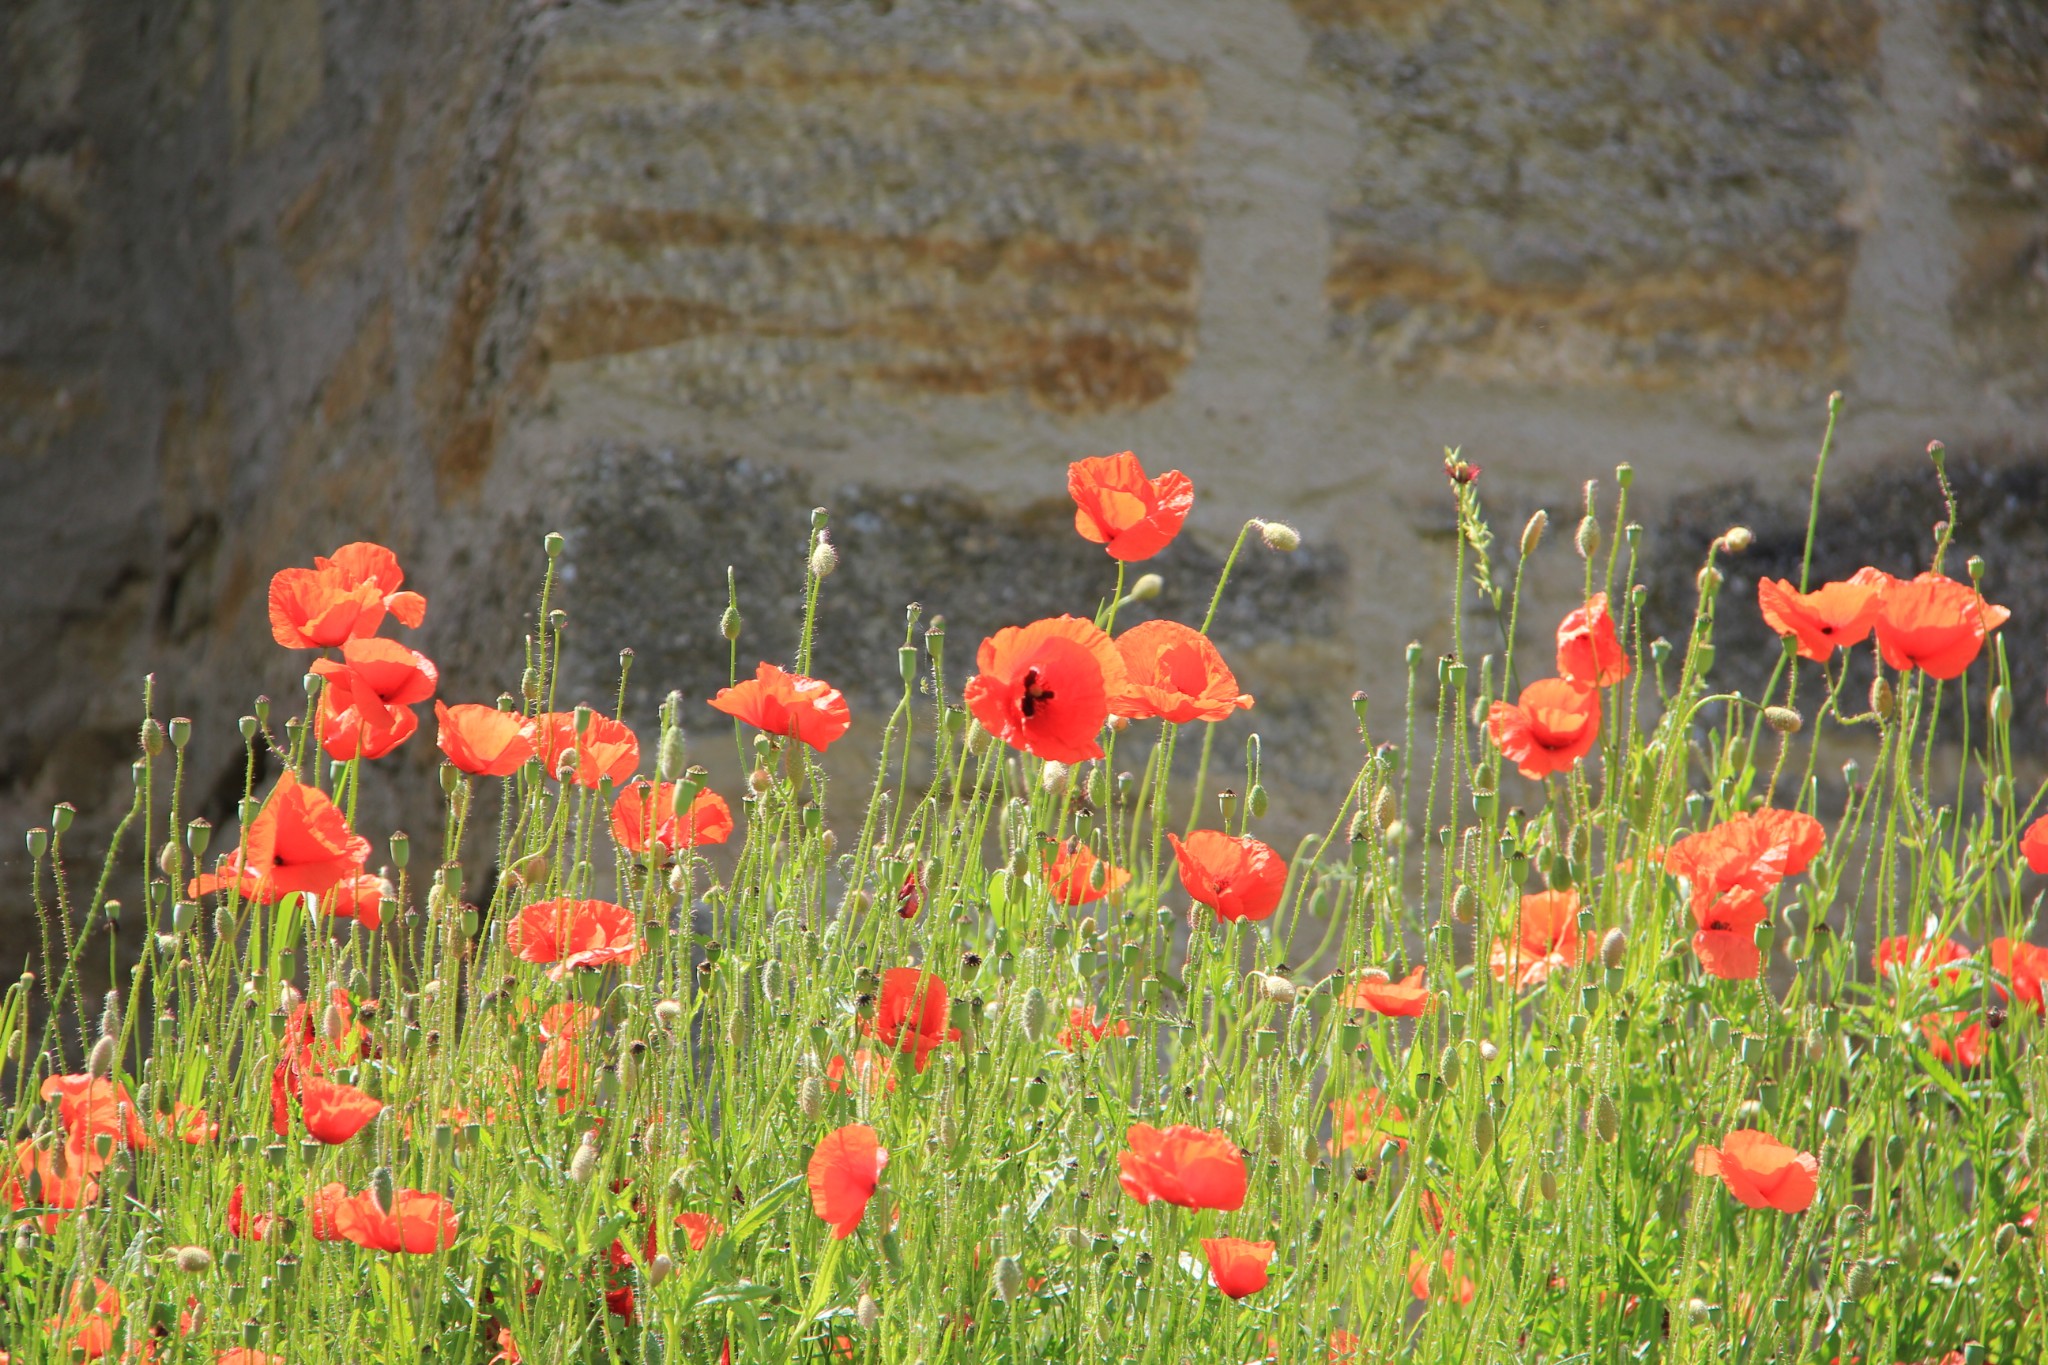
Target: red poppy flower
x,y
1239,1266
1237,876
649,805
305,1050
1048,688
1407,998
334,1112
1546,940
342,597
574,933
1951,1041
1355,1123
1190,1167
349,726
1124,512
2024,965
364,705
1725,942
416,1223
1934,624
2034,845
1589,651
360,898
698,1230
62,1194
1418,1277
1834,615
323,1209
911,1013
1083,1028
245,1225
1070,874
778,702
189,1124
89,1318
299,841
1728,868
484,740
606,748
243,1355
1551,726
844,1169
89,1106
869,1067
1176,674
1760,1170
1906,953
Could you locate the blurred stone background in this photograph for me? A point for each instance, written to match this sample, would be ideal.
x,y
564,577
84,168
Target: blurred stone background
x,y
664,274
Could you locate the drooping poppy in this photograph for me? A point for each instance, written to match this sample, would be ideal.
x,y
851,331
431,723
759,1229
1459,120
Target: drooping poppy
x,y
1934,624
650,806
844,1170
1182,1165
571,933
1761,1171
1419,1277
334,1112
484,740
1084,1028
1237,876
1832,616
299,841
1070,873
91,1313
1048,688
911,1014
1905,954
360,898
1238,1265
869,1067
344,596
250,1227
89,1106
1127,514
1549,728
1407,998
1355,1123
1176,674
605,748
1952,1040
2023,964
778,702
1589,650
1546,940
417,1222
2034,845
63,1193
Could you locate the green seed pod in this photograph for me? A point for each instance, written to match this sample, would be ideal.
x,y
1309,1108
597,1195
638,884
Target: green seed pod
x,y
38,842
1483,1132
248,727
62,816
553,543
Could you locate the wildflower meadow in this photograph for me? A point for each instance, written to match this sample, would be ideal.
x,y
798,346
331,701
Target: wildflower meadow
x,y
1593,1026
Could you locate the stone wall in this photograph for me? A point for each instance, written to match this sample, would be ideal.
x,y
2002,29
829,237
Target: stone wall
x,y
276,274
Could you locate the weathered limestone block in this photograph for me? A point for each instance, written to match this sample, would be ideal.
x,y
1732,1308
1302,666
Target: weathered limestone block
x,y
1642,193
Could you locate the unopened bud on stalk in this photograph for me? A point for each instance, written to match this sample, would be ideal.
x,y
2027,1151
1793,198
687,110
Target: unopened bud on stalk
x,y
867,1313
811,1098
760,780
1883,702
1783,719
1606,1119
2002,1241
1385,808
167,858
1708,580
193,1260
1464,905
100,1064
824,558
1483,1132
1279,536
2000,707
672,759
383,1189
1547,1182
1587,540
738,1031
1532,531
659,1269
152,737
1736,539
1007,1278
1033,1014
1861,1279
1053,776
110,1015
583,1165
1148,587
333,1023
1613,948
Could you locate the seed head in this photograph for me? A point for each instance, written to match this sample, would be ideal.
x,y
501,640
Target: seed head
x,y
1279,536
193,1260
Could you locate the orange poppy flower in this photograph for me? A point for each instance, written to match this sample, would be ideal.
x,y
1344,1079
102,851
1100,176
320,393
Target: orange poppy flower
x,y
1761,1171
245,1225
1728,868
1239,1266
1177,674
484,740
189,1124
911,1013
2034,845
305,1050
778,702
1344,1347
299,841
360,898
1189,1167
1951,1041
1354,1123
89,1318
1551,726
606,748
1834,615
1070,874
574,933
844,1170
1237,876
1048,688
364,707
1418,1277
1905,953
243,1355
648,805
88,1107
1407,998
1083,1028
869,1067
1589,651
416,1223
1546,940
1124,512
62,1195
342,597
2024,965
323,1208
1935,624
698,1230
334,1112
1725,942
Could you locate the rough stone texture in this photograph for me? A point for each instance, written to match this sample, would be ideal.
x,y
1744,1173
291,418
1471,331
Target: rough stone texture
x,y
277,274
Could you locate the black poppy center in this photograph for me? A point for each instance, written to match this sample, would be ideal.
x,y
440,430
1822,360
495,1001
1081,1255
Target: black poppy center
x,y
1034,695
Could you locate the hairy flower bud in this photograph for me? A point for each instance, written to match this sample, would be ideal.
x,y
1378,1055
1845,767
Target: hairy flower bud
x,y
1883,702
811,1098
100,1064
192,1260
1783,719
1736,539
583,1165
1148,587
672,758
383,1189
1532,531
1606,1119
729,623
110,1015
1386,808
1007,1278
1483,1132
1613,948
1587,541
1033,1014
659,1269
1279,536
867,1313
824,558
1464,905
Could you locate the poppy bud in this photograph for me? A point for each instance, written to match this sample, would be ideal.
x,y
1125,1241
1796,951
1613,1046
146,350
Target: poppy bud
x,y
1708,580
100,1064
152,737
759,781
167,861
333,1023
1464,905
382,1188
1147,587
811,1098
1606,1119
737,1029
1385,808
1053,776
1279,536
1033,1014
1546,1181
1783,719
867,1313
1007,1278
1860,1280
1587,541
1736,539
110,1015
1449,1065
2002,1240
192,1260
1532,531
824,559
2000,706
1895,1151
659,1269
1613,948
583,1165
